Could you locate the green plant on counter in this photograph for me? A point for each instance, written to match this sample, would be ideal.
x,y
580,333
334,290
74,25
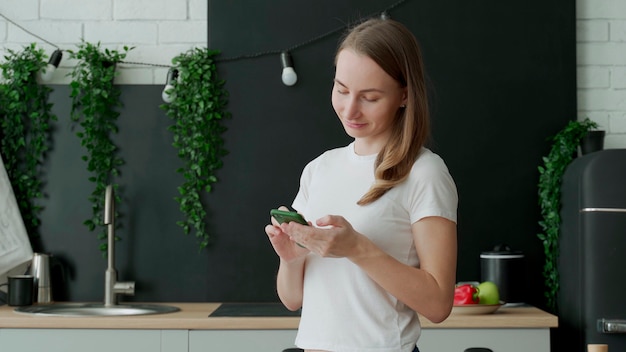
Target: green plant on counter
x,y
564,148
94,102
25,128
197,111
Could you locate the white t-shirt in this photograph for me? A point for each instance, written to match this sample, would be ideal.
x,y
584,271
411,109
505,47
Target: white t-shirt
x,y
343,309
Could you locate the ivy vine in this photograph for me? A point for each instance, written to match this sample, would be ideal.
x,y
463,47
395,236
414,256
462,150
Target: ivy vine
x,y
198,111
564,148
95,100
25,132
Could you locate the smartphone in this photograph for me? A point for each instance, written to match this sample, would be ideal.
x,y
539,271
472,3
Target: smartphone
x,y
287,216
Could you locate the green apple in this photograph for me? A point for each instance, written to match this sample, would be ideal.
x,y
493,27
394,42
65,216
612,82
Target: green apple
x,y
488,293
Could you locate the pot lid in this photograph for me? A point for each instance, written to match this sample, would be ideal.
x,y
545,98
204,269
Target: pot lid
x,y
502,251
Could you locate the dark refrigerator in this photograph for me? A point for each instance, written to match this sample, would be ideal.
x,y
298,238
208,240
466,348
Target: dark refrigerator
x,y
592,259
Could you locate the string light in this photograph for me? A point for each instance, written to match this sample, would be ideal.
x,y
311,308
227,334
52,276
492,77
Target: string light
x,y
48,71
288,75
310,41
169,92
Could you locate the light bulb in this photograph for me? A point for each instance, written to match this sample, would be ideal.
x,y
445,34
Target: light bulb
x,y
169,93
289,75
47,72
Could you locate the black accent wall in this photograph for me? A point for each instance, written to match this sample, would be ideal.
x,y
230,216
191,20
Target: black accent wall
x,y
503,80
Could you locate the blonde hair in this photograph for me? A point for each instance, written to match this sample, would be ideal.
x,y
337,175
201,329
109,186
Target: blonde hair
x,y
394,48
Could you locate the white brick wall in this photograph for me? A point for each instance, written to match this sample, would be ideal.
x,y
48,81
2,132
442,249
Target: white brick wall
x,y
161,29
601,71
158,30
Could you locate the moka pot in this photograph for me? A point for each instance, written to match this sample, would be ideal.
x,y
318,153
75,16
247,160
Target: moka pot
x,y
40,270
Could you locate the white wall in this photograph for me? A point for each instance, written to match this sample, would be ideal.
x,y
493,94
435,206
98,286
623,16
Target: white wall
x,y
158,29
601,60
162,29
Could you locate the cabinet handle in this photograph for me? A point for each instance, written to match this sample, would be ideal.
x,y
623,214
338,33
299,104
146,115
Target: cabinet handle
x,y
612,326
603,210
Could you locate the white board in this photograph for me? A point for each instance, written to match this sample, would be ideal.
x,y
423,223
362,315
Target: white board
x,y
15,248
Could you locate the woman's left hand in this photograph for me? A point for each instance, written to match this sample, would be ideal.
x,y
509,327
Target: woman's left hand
x,y
333,236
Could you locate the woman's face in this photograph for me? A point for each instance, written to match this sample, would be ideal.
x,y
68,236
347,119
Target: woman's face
x,y
366,100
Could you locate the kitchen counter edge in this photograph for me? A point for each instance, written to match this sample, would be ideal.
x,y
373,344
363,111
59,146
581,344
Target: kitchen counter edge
x,y
195,316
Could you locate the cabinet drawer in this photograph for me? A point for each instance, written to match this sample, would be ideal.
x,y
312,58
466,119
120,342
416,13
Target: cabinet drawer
x,y
510,340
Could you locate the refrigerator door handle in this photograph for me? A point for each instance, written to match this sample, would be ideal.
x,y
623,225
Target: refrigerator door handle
x,y
612,326
603,210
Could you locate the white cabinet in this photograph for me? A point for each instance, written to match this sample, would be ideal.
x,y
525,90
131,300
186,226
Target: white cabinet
x,y
92,340
113,340
130,340
241,340
509,340
432,340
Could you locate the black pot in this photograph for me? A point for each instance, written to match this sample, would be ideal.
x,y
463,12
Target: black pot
x,y
505,268
593,141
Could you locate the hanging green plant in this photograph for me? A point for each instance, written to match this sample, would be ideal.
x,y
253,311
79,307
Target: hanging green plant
x,y
198,111
564,148
95,100
25,129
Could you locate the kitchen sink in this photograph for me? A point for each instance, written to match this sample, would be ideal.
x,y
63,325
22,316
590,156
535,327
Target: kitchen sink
x,y
95,309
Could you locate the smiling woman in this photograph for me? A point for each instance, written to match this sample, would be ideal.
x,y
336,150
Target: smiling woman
x,y
382,204
365,101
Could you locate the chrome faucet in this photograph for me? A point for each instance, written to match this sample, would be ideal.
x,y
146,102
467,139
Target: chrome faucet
x,y
111,286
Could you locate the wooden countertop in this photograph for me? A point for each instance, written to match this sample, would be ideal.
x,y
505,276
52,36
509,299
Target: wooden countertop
x,y
195,316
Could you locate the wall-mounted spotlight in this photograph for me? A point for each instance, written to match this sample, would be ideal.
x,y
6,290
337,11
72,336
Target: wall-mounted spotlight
x,y
53,63
289,75
169,94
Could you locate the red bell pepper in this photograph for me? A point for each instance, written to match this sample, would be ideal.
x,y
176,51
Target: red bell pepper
x,y
465,294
